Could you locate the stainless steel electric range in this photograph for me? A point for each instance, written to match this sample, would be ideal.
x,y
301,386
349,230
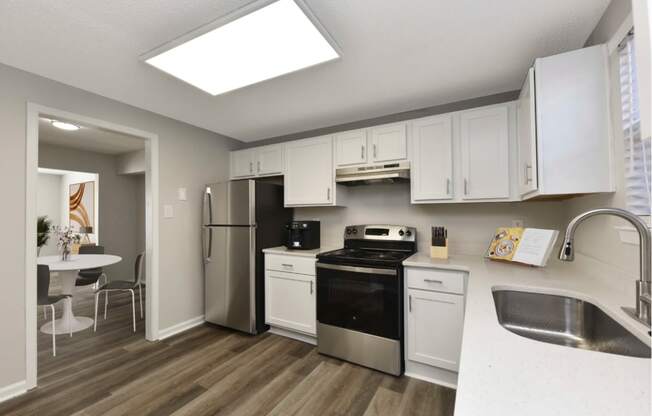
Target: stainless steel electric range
x,y
360,296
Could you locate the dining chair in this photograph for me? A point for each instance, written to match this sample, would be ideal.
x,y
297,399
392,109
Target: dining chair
x,y
91,276
122,286
43,298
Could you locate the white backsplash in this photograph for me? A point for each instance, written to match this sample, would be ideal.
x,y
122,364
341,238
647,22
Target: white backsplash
x,y
470,226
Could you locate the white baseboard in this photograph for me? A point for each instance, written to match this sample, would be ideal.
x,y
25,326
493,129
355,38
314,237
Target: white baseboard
x,y
180,327
13,390
430,374
294,335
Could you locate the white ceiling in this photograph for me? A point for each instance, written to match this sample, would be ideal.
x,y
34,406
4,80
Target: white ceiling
x,y
396,56
88,138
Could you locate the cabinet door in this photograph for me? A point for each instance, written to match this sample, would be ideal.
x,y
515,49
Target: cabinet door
x,y
389,143
527,137
242,163
351,147
484,137
435,322
309,172
290,301
269,160
432,158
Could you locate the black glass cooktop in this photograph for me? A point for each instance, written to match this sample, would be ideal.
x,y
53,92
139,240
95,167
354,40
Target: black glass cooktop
x,y
352,255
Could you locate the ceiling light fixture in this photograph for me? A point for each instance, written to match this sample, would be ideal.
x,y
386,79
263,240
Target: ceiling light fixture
x,y
63,125
251,45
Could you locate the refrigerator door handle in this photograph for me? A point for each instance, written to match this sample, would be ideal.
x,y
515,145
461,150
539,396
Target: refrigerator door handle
x,y
208,245
209,202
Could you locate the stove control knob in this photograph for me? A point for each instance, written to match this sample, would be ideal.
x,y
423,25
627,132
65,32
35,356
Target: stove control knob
x,y
408,233
355,231
348,231
401,232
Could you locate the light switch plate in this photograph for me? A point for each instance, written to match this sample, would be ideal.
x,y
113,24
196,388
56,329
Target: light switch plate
x,y
182,194
168,211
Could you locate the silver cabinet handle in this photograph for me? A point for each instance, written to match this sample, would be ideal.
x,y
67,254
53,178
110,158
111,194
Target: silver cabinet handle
x,y
362,152
528,179
448,186
258,166
287,265
433,281
328,194
410,303
311,287
466,186
251,167
375,153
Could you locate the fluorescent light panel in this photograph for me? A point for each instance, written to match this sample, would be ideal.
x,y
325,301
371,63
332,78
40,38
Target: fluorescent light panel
x,y
274,40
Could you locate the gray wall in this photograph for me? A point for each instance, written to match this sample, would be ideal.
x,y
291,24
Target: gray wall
x,y
189,157
121,228
470,226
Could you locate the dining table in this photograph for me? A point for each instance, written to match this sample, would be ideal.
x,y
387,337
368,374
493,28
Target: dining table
x,y
68,271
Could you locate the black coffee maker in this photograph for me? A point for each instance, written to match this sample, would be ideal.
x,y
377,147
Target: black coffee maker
x,y
302,235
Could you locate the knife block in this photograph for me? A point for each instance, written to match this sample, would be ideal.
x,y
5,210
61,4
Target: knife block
x,y
439,252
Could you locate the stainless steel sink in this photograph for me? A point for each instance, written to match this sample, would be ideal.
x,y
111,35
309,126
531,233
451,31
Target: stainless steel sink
x,y
565,321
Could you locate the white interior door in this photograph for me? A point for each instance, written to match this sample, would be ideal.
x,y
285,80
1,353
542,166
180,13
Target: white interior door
x,y
308,176
389,143
351,147
484,137
432,158
527,137
290,301
435,322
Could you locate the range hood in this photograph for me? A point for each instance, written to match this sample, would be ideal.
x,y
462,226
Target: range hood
x,y
381,173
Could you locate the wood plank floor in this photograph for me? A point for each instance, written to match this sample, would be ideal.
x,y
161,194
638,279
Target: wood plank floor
x,y
208,371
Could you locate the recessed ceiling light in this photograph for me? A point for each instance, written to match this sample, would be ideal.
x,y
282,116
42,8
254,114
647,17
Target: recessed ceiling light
x,y
63,125
246,47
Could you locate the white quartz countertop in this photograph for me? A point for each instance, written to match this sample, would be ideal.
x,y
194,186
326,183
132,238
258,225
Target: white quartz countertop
x,y
299,253
502,373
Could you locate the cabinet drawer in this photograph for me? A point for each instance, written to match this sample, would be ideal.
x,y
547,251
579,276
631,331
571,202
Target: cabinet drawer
x,y
435,280
290,264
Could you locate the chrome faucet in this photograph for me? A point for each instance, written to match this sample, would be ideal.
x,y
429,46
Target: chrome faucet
x,y
567,253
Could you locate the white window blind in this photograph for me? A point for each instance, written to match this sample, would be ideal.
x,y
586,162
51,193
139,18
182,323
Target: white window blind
x,y
637,149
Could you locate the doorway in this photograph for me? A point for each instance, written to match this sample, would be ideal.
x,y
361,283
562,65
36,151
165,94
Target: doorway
x,y
35,116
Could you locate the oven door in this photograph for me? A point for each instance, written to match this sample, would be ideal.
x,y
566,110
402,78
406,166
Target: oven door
x,y
364,299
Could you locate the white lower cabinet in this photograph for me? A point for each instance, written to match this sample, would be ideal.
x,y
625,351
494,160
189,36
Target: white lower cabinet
x,y
290,298
434,320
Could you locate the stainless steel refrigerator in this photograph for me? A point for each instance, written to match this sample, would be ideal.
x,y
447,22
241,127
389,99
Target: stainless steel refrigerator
x,y
240,219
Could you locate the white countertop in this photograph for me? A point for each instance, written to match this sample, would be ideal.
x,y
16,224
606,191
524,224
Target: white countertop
x,y
504,374
299,253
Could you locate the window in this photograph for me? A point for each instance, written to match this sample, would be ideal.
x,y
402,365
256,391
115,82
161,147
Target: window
x,y
637,149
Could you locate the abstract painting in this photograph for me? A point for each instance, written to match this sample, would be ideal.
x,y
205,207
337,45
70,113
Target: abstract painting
x,y
81,208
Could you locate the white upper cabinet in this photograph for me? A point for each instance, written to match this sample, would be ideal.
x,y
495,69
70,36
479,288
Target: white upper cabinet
x,y
527,137
242,163
269,160
389,143
432,158
351,148
484,140
257,161
573,135
309,174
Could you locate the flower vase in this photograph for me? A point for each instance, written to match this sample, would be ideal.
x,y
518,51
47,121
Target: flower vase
x,y
65,253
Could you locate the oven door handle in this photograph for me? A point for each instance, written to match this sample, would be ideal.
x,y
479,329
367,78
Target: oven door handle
x,y
354,269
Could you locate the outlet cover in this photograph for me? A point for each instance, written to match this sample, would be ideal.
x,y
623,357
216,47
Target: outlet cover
x,y
168,211
518,223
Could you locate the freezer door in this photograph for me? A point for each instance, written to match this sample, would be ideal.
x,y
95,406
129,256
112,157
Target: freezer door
x,y
229,277
229,203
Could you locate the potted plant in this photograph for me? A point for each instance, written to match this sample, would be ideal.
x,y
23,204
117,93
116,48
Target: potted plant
x,y
43,226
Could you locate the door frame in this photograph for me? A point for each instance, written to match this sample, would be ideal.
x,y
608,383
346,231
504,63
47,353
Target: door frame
x,y
151,225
